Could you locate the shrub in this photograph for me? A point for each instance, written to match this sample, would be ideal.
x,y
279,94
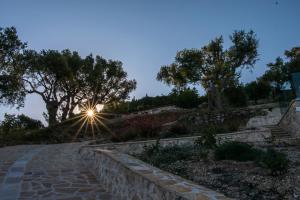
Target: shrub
x,y
160,156
126,135
208,138
187,98
236,96
236,151
144,126
275,161
175,131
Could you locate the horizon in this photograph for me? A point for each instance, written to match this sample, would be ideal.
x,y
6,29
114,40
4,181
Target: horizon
x,y
145,36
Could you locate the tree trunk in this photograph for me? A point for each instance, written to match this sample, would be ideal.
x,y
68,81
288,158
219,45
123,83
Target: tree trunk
x,y
52,108
65,111
218,99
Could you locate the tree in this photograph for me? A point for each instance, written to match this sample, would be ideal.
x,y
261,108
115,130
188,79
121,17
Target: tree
x,y
10,49
277,74
280,72
186,98
259,89
212,66
12,123
236,96
63,79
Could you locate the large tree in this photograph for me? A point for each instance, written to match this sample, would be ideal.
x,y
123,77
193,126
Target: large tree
x,y
63,79
280,72
10,49
214,67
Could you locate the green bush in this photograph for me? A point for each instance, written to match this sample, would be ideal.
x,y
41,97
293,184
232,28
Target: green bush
x,y
208,138
124,136
187,98
236,151
175,131
236,96
161,156
275,161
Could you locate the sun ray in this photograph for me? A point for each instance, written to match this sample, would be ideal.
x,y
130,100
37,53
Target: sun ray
x,y
78,131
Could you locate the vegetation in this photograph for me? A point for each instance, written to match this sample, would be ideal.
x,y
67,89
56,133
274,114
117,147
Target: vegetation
x,y
141,127
63,79
207,139
236,151
186,98
236,96
259,89
15,129
275,161
166,157
212,66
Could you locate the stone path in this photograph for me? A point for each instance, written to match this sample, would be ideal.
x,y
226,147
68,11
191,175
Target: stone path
x,y
47,172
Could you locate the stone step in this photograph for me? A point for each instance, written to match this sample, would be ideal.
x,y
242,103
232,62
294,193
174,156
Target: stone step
x,y
278,132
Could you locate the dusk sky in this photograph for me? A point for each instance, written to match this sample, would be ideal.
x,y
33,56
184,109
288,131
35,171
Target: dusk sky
x,y
145,35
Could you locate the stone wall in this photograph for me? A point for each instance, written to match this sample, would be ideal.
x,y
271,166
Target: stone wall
x,y
258,136
272,117
133,179
252,116
290,122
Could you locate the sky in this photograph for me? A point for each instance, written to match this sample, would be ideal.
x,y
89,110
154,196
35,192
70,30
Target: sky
x,y
146,34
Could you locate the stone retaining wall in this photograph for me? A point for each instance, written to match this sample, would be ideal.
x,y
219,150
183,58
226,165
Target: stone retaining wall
x,y
290,122
259,136
133,179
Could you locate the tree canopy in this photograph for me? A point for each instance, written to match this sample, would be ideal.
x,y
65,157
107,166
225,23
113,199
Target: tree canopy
x,y
214,67
64,80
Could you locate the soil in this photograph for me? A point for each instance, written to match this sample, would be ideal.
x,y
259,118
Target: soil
x,y
245,180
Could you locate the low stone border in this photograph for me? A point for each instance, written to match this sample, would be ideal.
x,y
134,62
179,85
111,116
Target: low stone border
x,y
133,179
259,136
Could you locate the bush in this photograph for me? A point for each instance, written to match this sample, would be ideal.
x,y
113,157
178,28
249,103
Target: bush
x,y
236,151
187,98
17,129
208,138
275,161
175,131
144,126
161,156
236,96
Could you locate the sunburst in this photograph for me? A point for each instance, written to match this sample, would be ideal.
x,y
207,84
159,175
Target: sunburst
x,y
90,117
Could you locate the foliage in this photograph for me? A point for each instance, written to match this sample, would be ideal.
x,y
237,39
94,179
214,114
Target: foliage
x,y
15,129
159,156
141,127
186,98
275,161
175,131
259,89
212,66
13,122
280,72
64,80
10,48
236,96
208,139
236,151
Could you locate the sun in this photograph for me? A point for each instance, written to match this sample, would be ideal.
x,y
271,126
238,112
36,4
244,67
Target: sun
x,y
90,113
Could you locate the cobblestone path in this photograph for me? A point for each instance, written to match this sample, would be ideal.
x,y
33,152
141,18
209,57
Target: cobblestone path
x,y
50,172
